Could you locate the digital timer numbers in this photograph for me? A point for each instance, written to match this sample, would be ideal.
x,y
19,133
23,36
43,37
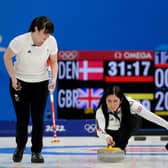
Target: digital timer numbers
x,y
129,68
161,92
161,57
161,78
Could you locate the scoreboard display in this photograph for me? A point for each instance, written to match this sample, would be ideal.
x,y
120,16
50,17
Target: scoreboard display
x,y
161,83
83,76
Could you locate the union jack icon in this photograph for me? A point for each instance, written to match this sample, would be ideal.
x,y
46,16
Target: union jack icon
x,y
88,97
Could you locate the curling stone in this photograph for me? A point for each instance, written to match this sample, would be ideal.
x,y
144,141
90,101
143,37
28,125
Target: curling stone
x,y
110,154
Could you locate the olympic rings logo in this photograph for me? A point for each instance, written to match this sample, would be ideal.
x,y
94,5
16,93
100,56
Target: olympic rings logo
x,y
67,55
118,55
90,128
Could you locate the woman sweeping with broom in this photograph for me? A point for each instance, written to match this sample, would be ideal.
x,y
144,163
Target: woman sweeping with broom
x,y
118,117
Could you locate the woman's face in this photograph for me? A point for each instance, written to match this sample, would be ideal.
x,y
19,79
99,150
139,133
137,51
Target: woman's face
x,y
113,102
40,36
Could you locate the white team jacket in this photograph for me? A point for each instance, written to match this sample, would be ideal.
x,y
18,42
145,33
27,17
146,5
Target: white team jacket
x,y
135,108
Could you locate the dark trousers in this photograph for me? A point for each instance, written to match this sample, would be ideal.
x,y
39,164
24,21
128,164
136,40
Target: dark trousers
x,y
122,136
30,101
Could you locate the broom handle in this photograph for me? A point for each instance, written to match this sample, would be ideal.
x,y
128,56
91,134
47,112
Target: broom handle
x,y
52,99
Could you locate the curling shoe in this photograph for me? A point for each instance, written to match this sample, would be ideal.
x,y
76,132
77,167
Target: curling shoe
x,y
18,154
37,158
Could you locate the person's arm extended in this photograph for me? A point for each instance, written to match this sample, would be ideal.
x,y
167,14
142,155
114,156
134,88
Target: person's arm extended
x,y
154,118
54,69
100,128
148,115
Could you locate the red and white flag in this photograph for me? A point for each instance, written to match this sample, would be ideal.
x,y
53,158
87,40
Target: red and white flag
x,y
90,70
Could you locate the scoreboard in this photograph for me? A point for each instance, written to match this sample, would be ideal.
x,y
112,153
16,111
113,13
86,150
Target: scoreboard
x,y
83,76
161,82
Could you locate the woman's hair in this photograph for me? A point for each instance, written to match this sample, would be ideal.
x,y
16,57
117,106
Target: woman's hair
x,y
42,22
115,90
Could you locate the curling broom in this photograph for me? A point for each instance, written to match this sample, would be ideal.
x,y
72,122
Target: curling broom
x,y
55,140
